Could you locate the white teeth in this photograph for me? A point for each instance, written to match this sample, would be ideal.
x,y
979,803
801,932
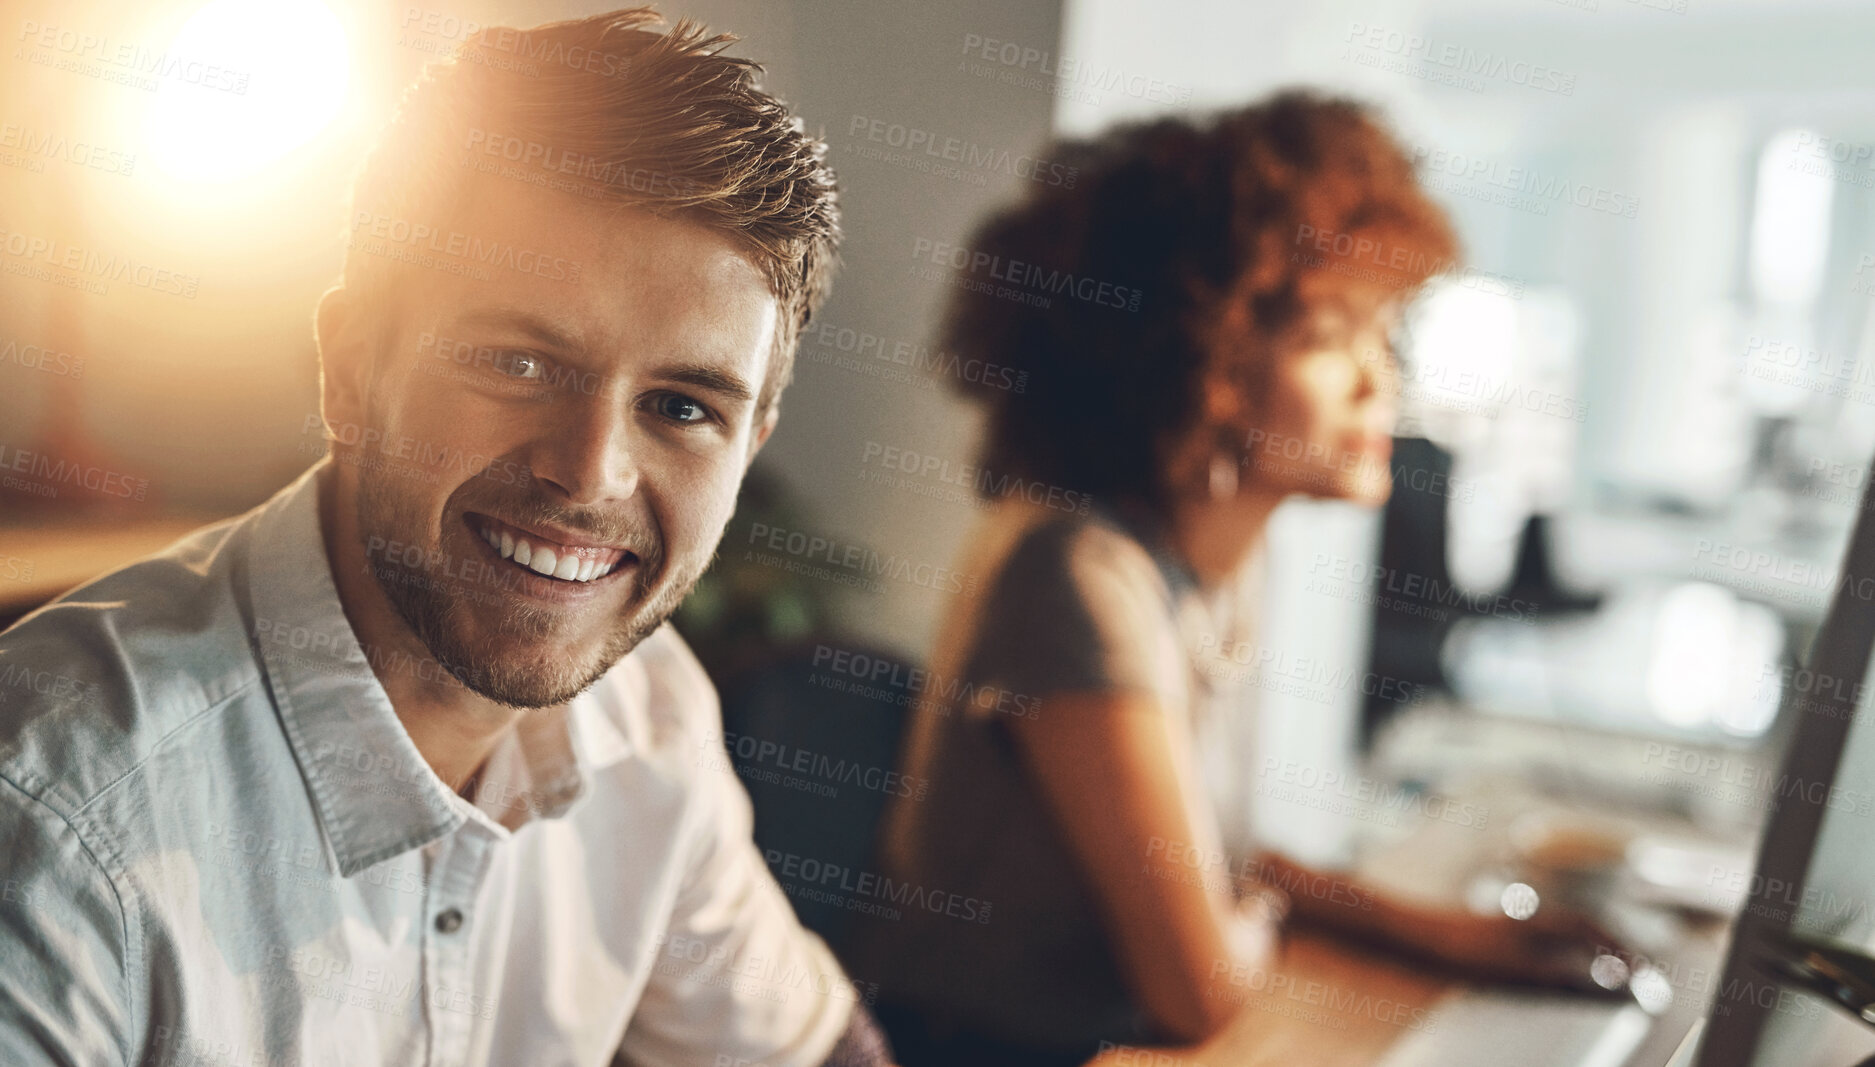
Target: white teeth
x,y
544,560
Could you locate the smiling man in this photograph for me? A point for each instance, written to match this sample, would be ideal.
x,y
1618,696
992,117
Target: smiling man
x,y
405,766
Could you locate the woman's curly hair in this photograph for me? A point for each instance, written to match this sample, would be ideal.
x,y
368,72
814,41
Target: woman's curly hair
x,y
1242,235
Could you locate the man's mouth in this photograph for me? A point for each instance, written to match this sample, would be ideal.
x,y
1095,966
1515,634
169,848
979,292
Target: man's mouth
x,y
567,562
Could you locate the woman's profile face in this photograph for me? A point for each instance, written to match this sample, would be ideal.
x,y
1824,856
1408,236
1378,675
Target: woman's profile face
x,y
1327,419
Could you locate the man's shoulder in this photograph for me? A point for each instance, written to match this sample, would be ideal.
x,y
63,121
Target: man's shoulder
x,y
92,683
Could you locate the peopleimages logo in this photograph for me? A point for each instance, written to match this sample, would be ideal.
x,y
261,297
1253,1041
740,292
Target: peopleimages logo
x,y
524,50
1069,75
94,266
1417,588
854,562
555,160
415,453
981,481
38,145
1311,677
44,474
1294,881
499,360
421,238
1528,181
965,153
1027,276
95,55
806,870
1819,687
1460,59
934,689
922,358
1774,573
41,358
760,752
1304,779
1235,982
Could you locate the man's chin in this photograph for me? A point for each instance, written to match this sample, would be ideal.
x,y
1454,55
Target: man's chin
x,y
530,659
537,659
526,678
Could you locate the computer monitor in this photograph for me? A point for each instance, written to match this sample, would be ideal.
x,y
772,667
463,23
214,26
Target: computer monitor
x,y
1801,965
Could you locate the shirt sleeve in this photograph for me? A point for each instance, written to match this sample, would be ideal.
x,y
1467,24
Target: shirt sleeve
x,y
63,996
737,979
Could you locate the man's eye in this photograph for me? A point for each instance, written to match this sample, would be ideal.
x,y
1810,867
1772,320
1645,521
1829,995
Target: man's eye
x,y
519,364
678,408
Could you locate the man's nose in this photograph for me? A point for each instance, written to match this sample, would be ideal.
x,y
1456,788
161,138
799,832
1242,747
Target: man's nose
x,y
587,453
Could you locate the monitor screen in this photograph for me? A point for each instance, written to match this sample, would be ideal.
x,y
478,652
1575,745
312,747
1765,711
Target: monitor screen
x,y
1801,966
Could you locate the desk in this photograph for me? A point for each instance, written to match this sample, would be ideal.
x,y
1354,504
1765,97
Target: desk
x,y
1325,1004
1330,1004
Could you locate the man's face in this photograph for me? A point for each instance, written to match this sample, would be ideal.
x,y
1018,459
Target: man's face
x,y
588,407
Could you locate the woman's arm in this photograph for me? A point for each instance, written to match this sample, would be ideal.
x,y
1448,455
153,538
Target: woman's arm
x,y
1105,767
1556,946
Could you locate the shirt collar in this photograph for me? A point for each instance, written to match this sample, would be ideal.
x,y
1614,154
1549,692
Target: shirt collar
x,y
375,795
535,772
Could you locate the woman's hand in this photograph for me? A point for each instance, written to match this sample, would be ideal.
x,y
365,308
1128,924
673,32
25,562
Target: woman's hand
x,y
1554,947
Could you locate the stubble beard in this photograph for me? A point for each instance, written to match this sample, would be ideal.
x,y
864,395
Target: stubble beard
x,y
503,666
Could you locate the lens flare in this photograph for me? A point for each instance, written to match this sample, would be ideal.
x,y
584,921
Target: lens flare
x,y
255,80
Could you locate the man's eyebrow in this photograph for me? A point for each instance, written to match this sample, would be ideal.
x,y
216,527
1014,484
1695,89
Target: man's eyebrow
x,y
724,383
527,322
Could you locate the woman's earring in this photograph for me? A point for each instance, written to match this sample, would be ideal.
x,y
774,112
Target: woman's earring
x,y
1223,476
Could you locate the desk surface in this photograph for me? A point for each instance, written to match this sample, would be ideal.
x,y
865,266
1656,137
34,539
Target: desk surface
x,y
1330,1004
1325,1004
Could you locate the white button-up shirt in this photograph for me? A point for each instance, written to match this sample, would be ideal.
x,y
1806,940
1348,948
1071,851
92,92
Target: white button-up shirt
x,y
220,847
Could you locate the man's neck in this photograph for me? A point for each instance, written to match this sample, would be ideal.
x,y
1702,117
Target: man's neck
x,y
453,728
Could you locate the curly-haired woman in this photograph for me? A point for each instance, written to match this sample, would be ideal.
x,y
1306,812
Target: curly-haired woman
x,y
1264,254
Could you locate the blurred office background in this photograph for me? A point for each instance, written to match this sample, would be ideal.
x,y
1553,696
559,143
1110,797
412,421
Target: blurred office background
x,y
1637,423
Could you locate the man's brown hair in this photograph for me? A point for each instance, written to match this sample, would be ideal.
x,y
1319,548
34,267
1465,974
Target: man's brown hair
x,y
607,108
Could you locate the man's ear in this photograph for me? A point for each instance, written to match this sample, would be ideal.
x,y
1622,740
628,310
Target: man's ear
x,y
343,339
762,429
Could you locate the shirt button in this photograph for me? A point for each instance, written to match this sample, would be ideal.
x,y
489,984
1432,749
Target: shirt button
x,y
448,922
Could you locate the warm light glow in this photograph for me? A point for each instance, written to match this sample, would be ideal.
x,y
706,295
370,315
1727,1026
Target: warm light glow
x,y
278,74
